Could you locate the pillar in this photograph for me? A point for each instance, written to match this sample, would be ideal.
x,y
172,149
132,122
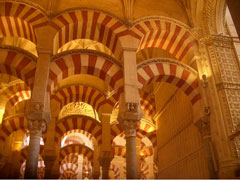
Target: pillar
x,y
96,166
219,66
37,112
35,127
80,167
50,146
105,161
106,155
49,160
129,105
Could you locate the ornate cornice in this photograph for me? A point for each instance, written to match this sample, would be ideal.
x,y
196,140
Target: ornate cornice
x,y
218,40
161,18
223,85
85,51
170,61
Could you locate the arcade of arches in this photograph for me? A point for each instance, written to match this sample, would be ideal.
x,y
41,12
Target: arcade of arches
x,y
119,89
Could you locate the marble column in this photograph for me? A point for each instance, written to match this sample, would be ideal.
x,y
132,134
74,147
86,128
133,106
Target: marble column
x,y
129,105
36,128
38,111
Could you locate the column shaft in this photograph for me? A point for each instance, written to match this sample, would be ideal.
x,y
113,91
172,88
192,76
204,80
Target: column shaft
x,y
33,153
105,172
209,157
131,158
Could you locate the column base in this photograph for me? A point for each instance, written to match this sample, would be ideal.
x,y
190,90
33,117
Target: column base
x,y
229,169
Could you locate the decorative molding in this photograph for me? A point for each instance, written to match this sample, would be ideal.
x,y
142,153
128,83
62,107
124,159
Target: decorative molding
x,y
85,51
19,50
161,18
218,40
132,107
222,86
128,6
170,61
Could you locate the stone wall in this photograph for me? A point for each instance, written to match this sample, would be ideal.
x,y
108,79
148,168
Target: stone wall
x,y
180,148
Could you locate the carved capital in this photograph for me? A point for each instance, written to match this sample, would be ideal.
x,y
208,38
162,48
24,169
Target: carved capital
x,y
130,127
36,127
105,158
35,111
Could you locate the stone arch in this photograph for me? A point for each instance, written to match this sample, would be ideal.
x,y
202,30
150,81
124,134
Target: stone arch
x,y
85,138
115,170
15,88
17,98
78,122
167,34
13,124
83,63
173,72
18,64
82,93
147,103
88,24
21,20
76,148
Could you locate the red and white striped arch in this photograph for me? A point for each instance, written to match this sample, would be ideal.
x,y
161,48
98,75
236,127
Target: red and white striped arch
x,y
115,170
68,167
169,35
18,97
87,134
18,65
16,88
72,158
87,94
119,151
20,20
173,72
148,151
68,175
79,122
76,149
9,126
98,66
88,24
87,170
144,170
147,101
